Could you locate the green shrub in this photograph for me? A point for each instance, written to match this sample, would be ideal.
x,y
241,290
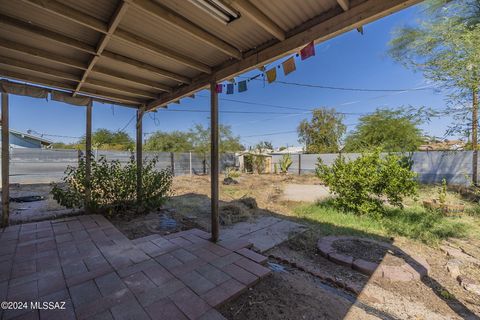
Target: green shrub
x,y
361,185
232,173
285,163
114,187
442,192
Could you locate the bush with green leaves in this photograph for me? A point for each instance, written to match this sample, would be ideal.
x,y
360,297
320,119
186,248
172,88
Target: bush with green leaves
x,y
363,184
114,187
285,163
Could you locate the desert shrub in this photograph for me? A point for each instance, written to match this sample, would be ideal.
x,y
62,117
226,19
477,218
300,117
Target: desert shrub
x,y
442,192
363,184
232,173
113,186
285,163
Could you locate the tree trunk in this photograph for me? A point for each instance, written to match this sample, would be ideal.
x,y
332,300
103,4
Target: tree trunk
x,y
474,136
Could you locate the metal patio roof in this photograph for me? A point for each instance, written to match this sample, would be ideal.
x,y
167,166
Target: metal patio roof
x,y
147,53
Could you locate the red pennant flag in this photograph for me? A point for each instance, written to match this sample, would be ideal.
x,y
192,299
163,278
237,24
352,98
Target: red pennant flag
x,y
308,51
218,88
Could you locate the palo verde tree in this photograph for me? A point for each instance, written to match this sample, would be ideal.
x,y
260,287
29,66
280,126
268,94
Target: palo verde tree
x,y
200,136
387,130
175,141
323,132
105,139
445,47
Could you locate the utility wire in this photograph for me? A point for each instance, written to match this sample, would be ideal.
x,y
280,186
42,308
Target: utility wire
x,y
307,85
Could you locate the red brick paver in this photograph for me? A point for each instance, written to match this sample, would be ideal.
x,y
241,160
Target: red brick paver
x,y
100,274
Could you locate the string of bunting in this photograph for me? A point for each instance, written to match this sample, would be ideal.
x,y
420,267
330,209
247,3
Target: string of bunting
x,y
288,66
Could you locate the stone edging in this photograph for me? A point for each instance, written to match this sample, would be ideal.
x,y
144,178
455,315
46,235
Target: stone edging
x,y
415,269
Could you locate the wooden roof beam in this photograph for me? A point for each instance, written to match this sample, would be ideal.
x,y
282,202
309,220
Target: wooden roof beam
x,y
345,4
112,26
47,34
185,25
60,85
100,26
67,76
121,88
160,50
132,79
257,16
42,54
320,29
70,63
38,68
146,66
70,13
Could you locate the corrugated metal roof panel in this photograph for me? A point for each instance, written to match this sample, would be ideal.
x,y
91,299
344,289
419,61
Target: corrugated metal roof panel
x,y
102,9
240,33
42,43
289,14
115,81
156,30
134,52
131,70
30,14
37,61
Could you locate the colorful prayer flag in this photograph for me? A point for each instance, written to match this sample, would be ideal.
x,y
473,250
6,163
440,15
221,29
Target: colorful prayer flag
x,y
218,88
229,88
308,51
242,86
271,75
289,66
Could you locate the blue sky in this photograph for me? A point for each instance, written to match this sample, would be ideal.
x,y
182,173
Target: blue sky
x,y
350,60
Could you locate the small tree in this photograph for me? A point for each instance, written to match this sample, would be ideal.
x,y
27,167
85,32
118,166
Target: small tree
x,y
361,184
175,141
445,47
323,133
390,130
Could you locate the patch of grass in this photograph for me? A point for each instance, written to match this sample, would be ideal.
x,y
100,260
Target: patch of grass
x,y
447,295
414,222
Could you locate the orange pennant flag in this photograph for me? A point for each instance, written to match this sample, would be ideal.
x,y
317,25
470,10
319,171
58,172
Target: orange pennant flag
x,y
289,66
272,75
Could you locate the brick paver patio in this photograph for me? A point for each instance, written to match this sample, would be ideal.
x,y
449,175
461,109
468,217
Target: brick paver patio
x,y
100,274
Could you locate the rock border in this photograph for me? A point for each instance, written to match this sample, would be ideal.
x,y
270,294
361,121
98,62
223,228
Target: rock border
x,y
415,269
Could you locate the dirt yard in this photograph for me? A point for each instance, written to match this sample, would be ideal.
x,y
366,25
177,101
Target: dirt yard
x,y
304,290
305,285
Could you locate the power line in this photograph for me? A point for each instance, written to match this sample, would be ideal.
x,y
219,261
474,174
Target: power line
x,y
251,112
317,86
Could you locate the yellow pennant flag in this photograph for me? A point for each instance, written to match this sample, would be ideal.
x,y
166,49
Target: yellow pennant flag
x,y
289,66
272,75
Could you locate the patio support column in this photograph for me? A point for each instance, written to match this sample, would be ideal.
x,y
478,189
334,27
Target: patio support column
x,y
88,157
214,159
5,162
139,154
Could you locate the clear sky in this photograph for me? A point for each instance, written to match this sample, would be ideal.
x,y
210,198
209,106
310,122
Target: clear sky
x,y
350,60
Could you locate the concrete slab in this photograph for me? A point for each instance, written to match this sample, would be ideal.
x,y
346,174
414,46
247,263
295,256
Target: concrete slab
x,y
264,233
305,192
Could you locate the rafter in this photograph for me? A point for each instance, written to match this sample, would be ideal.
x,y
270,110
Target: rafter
x,y
112,26
71,14
319,29
39,53
38,68
68,62
132,79
100,26
257,16
345,4
47,34
185,25
145,66
68,87
121,88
